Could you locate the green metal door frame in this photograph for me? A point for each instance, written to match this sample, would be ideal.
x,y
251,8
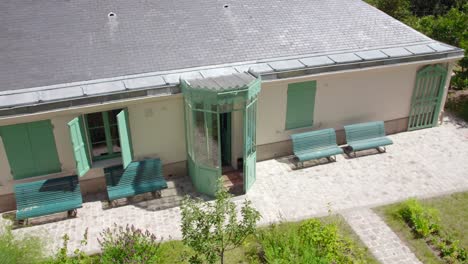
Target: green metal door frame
x,y
226,138
427,97
204,168
250,148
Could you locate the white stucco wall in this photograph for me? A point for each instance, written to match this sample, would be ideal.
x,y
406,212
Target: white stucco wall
x,y
341,99
158,130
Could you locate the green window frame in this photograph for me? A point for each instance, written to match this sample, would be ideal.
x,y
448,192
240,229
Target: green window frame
x,y
300,105
31,149
110,129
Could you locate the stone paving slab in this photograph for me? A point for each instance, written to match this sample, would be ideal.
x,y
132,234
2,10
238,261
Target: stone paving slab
x,y
425,163
382,242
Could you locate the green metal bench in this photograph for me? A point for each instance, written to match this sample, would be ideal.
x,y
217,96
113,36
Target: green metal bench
x,y
139,177
48,197
315,145
367,136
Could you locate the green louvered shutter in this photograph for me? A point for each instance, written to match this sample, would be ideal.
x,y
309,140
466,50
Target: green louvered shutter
x,y
125,137
300,104
31,149
79,146
16,143
44,150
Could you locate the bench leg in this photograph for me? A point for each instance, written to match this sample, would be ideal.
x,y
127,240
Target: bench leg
x,y
23,222
72,213
112,203
381,149
156,194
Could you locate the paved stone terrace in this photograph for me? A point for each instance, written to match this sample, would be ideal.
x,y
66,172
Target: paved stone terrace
x,y
379,238
423,163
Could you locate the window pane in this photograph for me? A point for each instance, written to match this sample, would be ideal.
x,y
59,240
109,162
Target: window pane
x,y
99,149
98,137
206,141
200,140
113,116
95,120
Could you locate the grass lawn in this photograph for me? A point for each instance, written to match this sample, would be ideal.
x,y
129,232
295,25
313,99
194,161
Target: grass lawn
x,y
454,219
174,251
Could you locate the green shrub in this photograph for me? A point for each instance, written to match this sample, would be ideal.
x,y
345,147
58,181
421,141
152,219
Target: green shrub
x,y
451,251
129,245
27,250
425,223
312,242
423,220
329,243
79,257
280,246
458,105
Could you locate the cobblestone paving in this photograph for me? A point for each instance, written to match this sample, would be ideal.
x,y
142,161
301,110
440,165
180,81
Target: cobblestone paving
x,y
422,163
382,242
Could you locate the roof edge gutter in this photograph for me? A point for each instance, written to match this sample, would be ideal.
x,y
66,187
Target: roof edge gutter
x,y
173,89
336,68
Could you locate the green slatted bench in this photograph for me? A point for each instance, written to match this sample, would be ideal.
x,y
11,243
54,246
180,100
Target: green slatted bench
x,y
315,145
46,197
367,136
139,177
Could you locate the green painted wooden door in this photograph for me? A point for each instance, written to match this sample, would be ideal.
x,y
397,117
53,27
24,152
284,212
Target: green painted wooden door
x,y
427,97
80,150
125,138
250,145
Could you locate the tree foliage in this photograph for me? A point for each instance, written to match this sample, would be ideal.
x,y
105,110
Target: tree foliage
x,y
442,20
213,228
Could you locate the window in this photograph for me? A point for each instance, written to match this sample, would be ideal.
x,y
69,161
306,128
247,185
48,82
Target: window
x,y
300,104
103,134
98,136
30,149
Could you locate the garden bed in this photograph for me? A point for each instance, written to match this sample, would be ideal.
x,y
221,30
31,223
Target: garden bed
x,y
272,238
432,241
252,250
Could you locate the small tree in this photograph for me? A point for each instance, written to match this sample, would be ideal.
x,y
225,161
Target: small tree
x,y
213,228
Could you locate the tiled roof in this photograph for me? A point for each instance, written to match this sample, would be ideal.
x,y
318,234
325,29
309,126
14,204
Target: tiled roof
x,y
72,53
51,42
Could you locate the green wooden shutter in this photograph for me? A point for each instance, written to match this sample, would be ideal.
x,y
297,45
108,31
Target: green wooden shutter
x,y
125,137
79,146
44,150
16,143
300,104
31,149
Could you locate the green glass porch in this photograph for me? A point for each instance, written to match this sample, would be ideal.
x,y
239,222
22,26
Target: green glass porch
x,y
211,104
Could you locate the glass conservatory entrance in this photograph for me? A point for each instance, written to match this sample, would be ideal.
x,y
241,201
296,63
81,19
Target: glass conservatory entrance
x,y
220,114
